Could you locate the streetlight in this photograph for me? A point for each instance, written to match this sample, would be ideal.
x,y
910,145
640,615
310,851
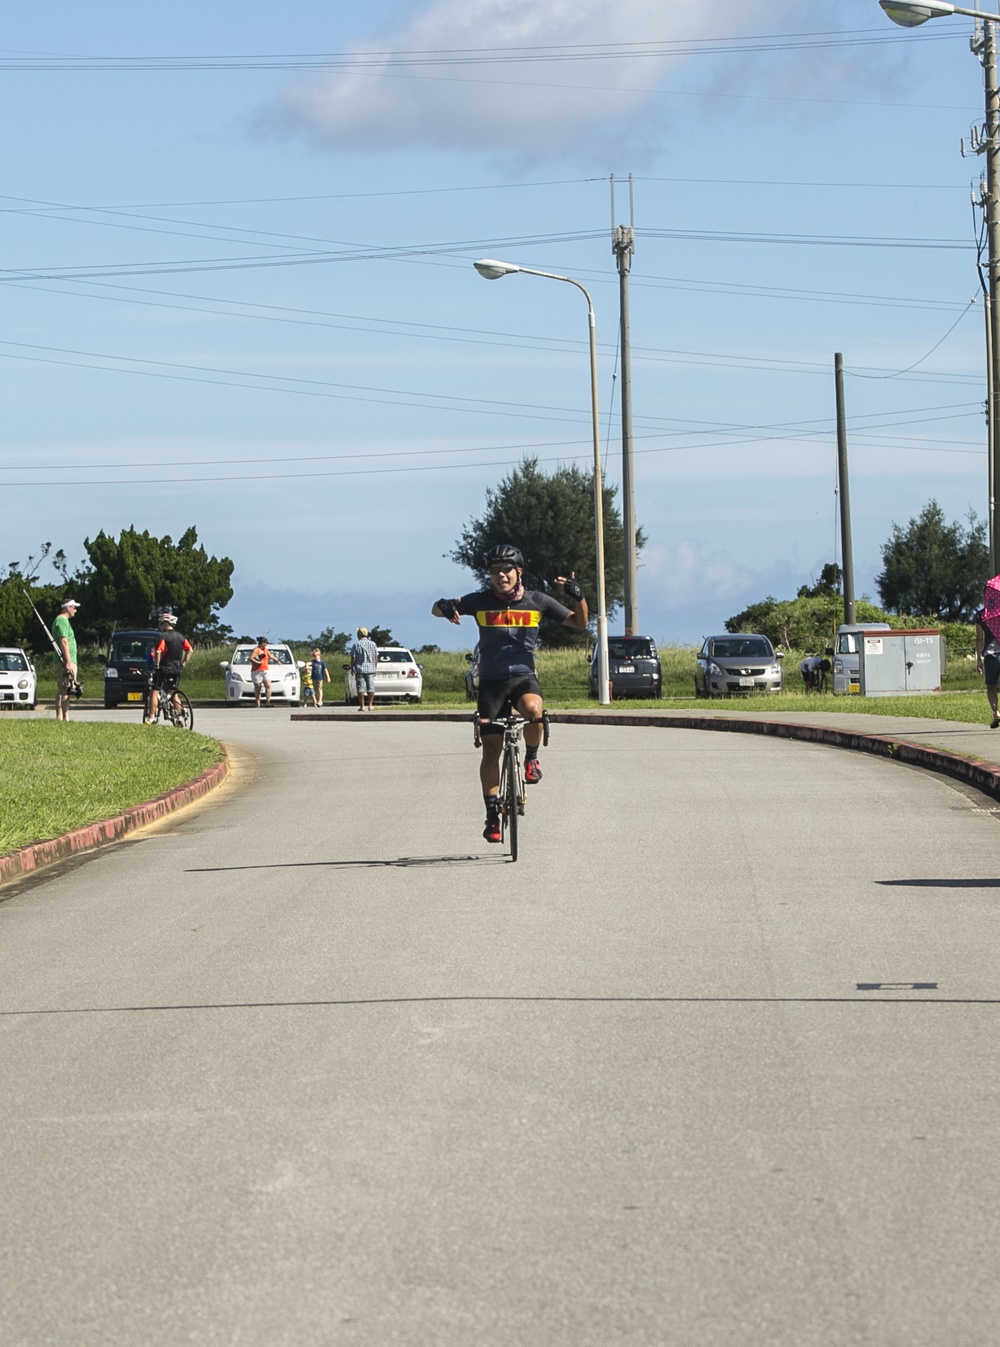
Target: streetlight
x,y
909,14
492,271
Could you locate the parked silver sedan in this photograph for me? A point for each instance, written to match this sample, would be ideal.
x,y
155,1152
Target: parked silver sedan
x,y
742,662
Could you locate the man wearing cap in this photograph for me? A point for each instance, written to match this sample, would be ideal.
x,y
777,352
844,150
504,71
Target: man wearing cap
x,y
364,662
65,661
170,653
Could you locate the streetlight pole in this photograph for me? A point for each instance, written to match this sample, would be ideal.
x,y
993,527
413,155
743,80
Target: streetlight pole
x,y
492,271
909,15
623,246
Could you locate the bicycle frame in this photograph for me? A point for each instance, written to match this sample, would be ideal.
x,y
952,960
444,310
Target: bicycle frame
x,y
511,795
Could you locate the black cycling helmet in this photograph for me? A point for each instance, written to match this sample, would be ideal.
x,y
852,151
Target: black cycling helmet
x,y
502,554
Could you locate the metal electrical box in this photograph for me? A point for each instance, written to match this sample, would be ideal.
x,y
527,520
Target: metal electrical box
x,y
893,663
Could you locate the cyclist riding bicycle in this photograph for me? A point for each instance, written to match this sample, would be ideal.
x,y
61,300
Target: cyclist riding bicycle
x,y
169,655
509,618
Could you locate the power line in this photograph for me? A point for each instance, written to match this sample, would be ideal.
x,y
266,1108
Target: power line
x,y
475,56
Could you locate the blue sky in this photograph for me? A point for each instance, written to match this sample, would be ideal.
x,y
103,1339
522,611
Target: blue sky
x,y
237,266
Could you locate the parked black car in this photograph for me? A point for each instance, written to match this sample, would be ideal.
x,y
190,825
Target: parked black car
x,y
127,667
633,668
472,676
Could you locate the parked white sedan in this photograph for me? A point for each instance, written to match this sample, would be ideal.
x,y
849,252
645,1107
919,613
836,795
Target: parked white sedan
x,y
282,666
398,675
17,678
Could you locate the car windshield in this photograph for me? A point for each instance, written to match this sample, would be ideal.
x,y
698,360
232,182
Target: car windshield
x,y
12,661
630,648
395,657
743,647
129,647
847,643
276,655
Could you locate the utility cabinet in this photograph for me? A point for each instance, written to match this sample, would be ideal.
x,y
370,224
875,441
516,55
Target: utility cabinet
x,y
893,663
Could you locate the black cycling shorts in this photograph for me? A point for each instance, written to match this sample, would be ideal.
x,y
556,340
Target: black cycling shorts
x,y
498,696
166,677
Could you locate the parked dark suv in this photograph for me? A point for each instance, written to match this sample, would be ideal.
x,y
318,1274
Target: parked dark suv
x,y
126,668
633,667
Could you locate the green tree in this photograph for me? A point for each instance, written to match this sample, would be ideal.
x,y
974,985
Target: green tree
x,y
807,622
18,624
935,568
331,641
829,582
132,577
550,517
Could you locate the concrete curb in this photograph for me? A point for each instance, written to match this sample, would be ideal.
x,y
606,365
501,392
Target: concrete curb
x,y
27,860
984,776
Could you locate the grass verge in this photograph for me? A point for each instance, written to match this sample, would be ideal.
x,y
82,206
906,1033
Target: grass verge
x,y
59,776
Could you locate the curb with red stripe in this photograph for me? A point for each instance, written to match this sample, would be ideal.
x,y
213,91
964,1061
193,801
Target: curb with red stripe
x,y
27,860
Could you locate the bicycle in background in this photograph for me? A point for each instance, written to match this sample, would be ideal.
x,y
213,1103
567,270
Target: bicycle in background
x,y
173,708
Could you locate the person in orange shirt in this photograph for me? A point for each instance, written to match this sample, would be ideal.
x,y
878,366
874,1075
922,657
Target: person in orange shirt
x,y
261,678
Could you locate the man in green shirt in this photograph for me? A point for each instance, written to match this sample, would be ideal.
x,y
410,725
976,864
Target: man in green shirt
x,y
65,661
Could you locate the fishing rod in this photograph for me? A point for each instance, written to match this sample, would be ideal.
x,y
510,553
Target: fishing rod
x,y
76,687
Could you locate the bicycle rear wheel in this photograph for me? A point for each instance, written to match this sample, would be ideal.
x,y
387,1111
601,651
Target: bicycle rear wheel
x,y
510,796
183,717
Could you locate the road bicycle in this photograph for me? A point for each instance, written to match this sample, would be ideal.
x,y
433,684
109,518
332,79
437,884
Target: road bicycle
x,y
173,708
511,795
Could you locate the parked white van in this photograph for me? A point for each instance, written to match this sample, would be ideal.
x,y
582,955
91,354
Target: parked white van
x,y
846,657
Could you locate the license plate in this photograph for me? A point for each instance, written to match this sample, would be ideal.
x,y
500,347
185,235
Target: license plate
x,y
854,687
135,696
747,682
626,668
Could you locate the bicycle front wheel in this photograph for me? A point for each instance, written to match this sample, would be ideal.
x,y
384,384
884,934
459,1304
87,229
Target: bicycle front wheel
x,y
511,796
183,716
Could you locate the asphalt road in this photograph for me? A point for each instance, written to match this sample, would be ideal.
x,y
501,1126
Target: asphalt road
x,y
713,1065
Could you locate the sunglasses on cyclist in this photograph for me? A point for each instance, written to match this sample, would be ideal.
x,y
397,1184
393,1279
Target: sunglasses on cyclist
x,y
502,570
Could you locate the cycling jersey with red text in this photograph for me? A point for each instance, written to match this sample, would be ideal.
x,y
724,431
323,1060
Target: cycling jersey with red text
x,y
509,631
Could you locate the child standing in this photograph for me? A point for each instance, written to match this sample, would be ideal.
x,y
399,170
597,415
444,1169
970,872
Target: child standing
x,y
320,675
308,695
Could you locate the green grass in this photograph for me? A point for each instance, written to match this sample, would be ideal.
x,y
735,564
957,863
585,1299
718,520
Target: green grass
x,y
55,776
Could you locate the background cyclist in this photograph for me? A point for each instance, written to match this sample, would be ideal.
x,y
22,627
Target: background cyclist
x,y
812,669
509,618
169,654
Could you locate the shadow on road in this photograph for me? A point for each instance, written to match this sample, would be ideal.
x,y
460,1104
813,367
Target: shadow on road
x,y
402,861
940,883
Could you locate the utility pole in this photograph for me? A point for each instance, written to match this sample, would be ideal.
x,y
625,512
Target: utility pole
x,y
844,492
986,141
623,246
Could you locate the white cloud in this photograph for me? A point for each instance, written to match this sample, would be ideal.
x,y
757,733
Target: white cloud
x,y
530,105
